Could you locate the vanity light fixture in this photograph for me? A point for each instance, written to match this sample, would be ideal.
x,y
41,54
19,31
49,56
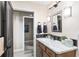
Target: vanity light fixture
x,y
55,5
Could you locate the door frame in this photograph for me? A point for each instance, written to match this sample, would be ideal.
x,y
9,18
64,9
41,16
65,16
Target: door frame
x,y
33,32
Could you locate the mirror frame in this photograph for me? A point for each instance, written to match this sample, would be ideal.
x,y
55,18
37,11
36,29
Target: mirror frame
x,y
60,12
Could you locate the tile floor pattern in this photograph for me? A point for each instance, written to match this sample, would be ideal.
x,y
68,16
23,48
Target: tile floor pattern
x,y
30,54
27,53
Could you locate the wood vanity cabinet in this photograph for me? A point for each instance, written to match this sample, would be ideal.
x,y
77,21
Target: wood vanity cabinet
x,y
50,53
44,51
44,54
38,50
67,54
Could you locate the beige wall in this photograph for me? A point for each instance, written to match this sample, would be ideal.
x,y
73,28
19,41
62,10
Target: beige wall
x,y
40,15
70,25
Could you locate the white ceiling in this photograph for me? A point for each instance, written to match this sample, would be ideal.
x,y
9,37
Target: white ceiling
x,y
42,2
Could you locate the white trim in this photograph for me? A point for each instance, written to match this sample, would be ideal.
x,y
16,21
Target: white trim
x,y
27,17
23,31
23,10
34,37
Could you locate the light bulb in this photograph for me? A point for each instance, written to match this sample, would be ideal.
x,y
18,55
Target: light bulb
x,y
48,19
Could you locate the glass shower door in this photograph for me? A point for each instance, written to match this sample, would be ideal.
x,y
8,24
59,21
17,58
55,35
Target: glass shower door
x,y
28,33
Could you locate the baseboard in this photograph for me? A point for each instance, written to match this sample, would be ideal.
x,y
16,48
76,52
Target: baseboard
x,y
17,50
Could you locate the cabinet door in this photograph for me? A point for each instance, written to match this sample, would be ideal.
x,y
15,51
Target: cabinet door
x,y
50,53
45,54
38,50
42,46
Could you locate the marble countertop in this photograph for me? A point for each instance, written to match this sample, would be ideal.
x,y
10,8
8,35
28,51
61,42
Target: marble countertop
x,y
55,45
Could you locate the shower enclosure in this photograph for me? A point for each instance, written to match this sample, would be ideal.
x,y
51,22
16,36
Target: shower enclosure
x,y
28,35
23,26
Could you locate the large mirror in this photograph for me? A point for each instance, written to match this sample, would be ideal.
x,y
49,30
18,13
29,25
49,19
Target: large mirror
x,y
57,22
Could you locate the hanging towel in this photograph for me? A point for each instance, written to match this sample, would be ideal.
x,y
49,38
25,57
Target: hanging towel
x,y
54,28
45,28
39,29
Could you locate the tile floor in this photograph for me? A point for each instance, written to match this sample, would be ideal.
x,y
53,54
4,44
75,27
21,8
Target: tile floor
x,y
27,53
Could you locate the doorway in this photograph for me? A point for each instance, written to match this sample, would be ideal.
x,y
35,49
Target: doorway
x,y
23,33
28,35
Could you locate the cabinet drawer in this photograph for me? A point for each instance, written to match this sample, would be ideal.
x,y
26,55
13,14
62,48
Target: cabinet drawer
x,y
50,53
68,54
45,54
42,46
38,50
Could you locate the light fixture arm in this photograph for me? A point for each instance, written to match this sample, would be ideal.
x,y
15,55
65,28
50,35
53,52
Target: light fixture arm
x,y
55,5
